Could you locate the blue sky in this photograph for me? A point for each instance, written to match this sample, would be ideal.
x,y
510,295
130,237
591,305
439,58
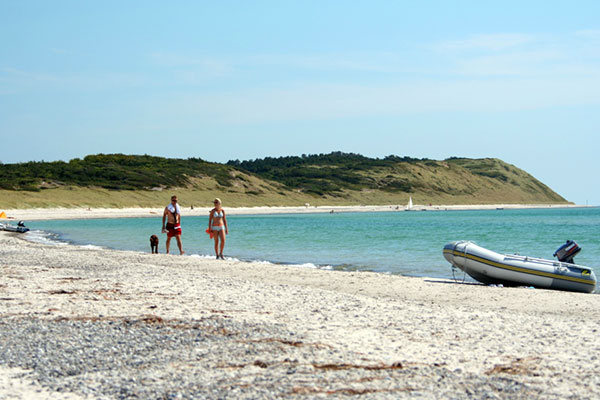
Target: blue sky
x,y
227,80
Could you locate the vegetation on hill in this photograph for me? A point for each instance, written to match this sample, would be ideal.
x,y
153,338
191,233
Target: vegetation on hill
x,y
328,174
337,173
112,171
335,178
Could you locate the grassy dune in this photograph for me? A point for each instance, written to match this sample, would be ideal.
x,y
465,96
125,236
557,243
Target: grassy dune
x,y
335,179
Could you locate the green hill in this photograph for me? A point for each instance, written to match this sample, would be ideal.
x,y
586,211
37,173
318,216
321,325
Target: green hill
x,y
118,180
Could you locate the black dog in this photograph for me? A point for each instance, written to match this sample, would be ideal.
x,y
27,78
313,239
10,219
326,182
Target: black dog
x,y
154,244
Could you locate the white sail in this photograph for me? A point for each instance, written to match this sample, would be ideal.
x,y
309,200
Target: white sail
x,y
409,205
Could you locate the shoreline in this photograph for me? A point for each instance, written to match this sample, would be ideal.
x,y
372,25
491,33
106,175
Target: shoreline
x,y
140,212
272,331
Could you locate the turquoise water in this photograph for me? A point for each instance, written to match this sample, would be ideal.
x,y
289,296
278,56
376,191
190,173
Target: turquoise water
x,y
406,243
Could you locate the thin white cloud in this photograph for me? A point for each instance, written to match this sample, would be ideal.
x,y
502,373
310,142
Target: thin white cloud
x,y
328,102
209,66
513,77
589,33
17,79
14,74
510,54
386,62
533,63
517,55
487,42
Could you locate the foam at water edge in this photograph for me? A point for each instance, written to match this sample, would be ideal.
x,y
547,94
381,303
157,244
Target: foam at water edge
x,y
305,265
44,237
91,247
211,257
313,266
206,256
265,262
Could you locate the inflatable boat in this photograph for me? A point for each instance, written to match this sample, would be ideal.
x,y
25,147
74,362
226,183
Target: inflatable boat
x,y
489,267
20,228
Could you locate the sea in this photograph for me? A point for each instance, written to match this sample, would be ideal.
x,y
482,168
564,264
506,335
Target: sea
x,y
406,243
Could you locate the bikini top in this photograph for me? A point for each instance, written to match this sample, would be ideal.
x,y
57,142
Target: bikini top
x,y
218,214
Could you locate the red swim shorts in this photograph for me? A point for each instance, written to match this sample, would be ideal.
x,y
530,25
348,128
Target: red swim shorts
x,y
173,230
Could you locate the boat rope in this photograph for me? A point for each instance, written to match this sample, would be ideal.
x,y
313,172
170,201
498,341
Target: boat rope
x,y
454,267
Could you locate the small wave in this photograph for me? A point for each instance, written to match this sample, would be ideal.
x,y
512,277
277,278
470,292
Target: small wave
x,y
43,237
262,262
314,266
306,265
203,256
266,262
309,265
91,247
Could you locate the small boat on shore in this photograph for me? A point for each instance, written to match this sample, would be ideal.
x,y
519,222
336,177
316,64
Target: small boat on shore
x,y
489,267
20,228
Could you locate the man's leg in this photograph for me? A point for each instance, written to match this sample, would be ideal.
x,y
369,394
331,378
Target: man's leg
x,y
168,243
178,237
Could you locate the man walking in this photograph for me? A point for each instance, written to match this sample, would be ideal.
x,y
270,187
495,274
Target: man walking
x,y
172,215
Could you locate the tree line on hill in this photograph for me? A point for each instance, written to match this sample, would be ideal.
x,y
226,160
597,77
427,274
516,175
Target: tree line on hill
x,y
327,173
110,171
318,174
129,172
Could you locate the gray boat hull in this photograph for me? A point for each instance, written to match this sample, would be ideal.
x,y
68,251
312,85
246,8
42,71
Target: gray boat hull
x,y
489,267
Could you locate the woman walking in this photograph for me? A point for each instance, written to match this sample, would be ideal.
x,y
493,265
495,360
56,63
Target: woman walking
x,y
217,224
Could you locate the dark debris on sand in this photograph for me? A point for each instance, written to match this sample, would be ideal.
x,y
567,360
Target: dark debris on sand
x,y
215,358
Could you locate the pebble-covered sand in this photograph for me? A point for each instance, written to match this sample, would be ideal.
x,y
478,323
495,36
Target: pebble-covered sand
x,y
81,323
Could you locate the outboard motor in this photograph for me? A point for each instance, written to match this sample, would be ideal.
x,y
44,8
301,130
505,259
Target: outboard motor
x,y
567,252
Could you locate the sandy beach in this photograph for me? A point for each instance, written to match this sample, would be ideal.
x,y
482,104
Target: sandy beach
x,y
94,323
32,214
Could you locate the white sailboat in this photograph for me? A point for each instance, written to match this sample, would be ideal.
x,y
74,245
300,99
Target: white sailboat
x,y
409,206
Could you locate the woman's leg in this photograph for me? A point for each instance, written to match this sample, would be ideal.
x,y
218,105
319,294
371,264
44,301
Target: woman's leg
x,y
222,234
216,236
